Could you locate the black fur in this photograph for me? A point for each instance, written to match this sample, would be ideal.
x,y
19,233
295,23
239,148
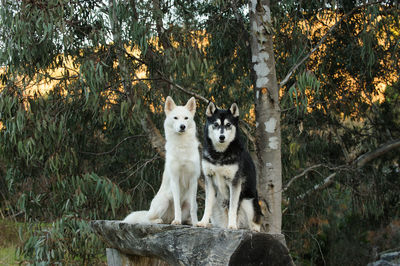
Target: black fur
x,y
235,153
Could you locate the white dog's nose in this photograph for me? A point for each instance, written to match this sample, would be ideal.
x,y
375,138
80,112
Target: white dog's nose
x,y
182,127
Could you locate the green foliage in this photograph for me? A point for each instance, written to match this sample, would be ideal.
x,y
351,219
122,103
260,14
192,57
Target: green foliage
x,y
68,240
7,255
307,88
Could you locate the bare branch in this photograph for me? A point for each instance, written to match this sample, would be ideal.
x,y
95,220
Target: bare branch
x,y
323,39
312,168
369,156
305,171
148,161
169,81
191,93
113,149
326,183
358,163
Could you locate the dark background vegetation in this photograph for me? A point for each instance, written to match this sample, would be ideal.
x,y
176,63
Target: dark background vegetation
x,y
80,148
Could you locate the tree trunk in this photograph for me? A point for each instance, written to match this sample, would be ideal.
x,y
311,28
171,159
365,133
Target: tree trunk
x,y
268,134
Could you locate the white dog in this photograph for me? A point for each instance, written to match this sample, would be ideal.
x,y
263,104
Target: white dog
x,y
175,202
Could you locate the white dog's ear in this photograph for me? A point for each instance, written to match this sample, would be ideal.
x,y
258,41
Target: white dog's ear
x,y
210,109
191,105
169,105
234,110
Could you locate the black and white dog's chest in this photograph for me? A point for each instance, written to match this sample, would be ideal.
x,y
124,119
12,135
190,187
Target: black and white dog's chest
x,y
226,172
221,176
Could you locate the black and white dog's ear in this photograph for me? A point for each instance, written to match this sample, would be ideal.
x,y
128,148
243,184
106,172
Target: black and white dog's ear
x,y
169,105
234,110
210,109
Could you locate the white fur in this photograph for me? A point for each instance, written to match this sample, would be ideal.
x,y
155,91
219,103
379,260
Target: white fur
x,y
175,201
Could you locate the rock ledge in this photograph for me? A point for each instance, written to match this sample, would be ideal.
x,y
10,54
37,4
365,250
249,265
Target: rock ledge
x,y
186,245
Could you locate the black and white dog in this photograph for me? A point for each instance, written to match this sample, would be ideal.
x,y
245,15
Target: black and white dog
x,y
230,174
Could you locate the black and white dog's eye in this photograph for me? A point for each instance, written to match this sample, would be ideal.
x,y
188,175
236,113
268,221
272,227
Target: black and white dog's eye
x,y
215,124
186,118
175,117
228,124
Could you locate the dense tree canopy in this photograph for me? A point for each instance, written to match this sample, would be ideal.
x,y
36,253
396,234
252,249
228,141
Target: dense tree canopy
x,y
82,89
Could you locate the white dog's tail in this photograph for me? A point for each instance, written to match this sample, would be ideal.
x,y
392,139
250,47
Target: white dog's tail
x,y
159,211
137,217
141,217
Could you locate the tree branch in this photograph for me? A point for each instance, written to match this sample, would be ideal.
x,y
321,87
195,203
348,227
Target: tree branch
x,y
356,164
323,39
191,93
369,156
170,82
305,171
326,183
113,149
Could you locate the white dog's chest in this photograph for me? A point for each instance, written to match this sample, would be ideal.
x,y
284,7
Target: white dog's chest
x,y
183,162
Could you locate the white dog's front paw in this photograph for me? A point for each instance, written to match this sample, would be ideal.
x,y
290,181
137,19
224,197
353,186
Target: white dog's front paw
x,y
232,226
158,221
203,224
193,222
176,222
256,227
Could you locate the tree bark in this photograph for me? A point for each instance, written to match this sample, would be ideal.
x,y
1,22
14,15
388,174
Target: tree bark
x,y
268,134
156,139
186,245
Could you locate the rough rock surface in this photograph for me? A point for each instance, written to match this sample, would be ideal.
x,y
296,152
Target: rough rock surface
x,y
186,245
387,259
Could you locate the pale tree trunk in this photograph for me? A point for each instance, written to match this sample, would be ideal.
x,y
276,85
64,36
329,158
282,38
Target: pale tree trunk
x,y
268,134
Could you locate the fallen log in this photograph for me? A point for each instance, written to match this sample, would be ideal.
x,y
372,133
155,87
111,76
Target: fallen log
x,y
186,245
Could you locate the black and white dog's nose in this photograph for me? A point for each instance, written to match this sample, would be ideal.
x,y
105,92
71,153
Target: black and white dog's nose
x,y
182,127
221,138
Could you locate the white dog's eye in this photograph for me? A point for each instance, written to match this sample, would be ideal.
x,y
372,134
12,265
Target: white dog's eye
x,y
186,118
175,117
